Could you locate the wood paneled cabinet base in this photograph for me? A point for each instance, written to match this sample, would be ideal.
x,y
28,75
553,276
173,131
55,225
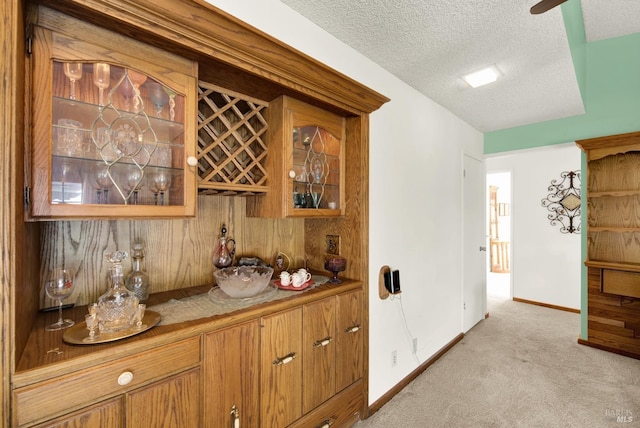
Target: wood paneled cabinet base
x,y
298,362
310,355
156,388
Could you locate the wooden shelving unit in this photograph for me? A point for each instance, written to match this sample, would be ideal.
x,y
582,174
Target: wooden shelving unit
x,y
613,243
219,48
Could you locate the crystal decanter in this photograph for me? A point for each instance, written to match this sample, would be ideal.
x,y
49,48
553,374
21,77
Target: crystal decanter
x,y
138,280
116,307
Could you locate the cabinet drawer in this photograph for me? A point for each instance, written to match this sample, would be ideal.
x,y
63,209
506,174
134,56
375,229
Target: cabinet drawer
x,y
42,400
621,283
342,410
104,414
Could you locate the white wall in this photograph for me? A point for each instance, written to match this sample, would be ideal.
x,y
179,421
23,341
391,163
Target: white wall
x,y
416,160
546,263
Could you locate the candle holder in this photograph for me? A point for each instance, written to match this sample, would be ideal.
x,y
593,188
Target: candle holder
x,y
335,265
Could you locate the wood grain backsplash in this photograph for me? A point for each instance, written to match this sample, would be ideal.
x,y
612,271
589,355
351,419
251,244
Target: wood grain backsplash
x,y
178,252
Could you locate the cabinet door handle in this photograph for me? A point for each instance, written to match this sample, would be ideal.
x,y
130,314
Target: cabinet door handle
x,y
235,417
352,329
326,424
324,342
284,360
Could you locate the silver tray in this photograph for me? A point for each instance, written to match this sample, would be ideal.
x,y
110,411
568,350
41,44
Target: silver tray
x,y
79,335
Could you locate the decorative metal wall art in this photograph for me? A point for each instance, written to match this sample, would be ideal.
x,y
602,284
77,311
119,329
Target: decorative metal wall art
x,y
563,203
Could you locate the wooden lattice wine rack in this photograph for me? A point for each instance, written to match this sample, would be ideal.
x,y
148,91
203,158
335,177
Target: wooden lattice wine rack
x,y
232,129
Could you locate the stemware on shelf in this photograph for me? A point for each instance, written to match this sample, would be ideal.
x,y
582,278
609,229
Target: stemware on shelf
x,y
59,286
101,76
73,70
104,182
137,79
160,183
126,89
69,138
157,95
131,181
66,175
172,102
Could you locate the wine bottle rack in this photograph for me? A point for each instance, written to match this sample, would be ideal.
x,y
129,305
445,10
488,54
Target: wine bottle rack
x,y
231,142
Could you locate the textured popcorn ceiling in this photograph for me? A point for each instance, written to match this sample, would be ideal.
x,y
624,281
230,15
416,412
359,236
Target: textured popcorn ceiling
x,y
431,44
604,19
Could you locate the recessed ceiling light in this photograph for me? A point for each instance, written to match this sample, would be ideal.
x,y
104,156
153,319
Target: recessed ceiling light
x,y
482,77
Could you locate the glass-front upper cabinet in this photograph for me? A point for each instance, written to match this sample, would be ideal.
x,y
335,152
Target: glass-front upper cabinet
x,y
113,130
305,162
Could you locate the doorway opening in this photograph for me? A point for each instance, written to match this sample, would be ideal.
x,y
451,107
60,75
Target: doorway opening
x,y
499,232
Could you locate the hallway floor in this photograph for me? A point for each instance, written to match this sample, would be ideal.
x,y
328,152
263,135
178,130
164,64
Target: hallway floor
x,y
498,286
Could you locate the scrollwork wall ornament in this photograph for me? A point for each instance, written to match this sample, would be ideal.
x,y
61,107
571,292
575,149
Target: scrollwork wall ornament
x,y
563,202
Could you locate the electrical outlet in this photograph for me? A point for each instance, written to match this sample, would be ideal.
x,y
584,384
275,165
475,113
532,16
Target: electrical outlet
x,y
394,358
415,345
333,244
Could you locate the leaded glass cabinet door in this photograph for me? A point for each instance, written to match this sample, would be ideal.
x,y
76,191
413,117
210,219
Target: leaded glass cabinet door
x,y
113,132
305,162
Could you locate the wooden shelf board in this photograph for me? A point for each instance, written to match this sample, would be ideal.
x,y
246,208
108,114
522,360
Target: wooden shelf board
x,y
613,193
630,267
596,229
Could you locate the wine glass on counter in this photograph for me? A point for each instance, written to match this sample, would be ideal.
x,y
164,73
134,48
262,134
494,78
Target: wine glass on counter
x,y
139,316
101,76
73,70
335,265
59,286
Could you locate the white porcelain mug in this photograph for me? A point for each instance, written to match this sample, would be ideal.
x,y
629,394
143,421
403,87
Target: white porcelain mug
x,y
298,278
285,278
302,271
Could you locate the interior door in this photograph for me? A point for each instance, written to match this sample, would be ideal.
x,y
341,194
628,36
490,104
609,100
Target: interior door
x,y
475,246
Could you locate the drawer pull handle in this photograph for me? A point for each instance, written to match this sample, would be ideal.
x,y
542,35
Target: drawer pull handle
x,y
284,360
326,424
324,342
192,161
125,378
352,329
235,416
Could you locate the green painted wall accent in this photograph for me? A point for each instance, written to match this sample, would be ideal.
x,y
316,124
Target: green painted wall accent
x,y
584,286
608,74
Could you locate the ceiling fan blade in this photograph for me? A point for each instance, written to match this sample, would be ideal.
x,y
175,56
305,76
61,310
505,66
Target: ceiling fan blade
x,y
544,6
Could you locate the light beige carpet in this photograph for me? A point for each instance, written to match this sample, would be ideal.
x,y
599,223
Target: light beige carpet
x,y
521,367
